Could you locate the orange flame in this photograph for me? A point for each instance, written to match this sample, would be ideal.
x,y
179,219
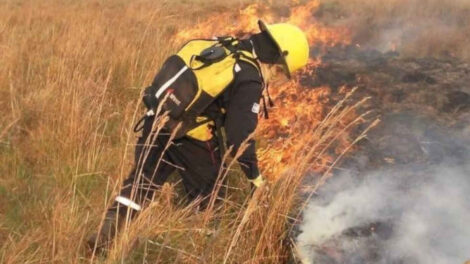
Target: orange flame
x,y
246,21
296,107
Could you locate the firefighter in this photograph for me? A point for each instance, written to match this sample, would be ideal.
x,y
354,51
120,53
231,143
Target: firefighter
x,y
196,154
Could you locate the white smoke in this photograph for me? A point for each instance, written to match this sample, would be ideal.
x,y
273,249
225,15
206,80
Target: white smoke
x,y
412,27
423,213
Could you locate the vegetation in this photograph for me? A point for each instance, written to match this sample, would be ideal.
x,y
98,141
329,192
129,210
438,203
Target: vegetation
x,y
70,81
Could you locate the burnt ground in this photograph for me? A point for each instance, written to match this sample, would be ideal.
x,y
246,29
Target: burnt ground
x,y
424,107
419,101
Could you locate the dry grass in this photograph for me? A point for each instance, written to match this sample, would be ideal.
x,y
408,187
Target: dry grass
x,y
70,78
414,27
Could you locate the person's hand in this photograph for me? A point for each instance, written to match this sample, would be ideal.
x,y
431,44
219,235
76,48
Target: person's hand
x,y
258,181
260,191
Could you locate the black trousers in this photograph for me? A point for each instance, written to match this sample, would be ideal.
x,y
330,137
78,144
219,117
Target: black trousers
x,y
197,162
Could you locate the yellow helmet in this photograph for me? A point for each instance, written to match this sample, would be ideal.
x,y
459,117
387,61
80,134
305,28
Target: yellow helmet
x,y
292,43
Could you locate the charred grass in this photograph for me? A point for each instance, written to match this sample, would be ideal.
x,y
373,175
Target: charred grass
x,y
415,28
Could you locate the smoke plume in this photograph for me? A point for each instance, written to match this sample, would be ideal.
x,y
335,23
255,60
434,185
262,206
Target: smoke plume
x,y
417,212
412,27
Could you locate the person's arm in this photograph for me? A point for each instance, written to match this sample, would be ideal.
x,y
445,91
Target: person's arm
x,y
241,121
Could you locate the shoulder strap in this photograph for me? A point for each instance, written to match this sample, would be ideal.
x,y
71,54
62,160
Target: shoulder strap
x,y
229,43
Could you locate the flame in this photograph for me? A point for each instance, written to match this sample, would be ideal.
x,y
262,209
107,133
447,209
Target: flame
x,y
296,107
246,21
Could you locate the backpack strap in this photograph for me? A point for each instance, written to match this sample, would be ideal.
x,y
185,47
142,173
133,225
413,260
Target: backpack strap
x,y
218,118
229,43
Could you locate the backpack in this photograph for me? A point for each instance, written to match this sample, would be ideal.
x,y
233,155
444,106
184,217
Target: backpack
x,y
190,80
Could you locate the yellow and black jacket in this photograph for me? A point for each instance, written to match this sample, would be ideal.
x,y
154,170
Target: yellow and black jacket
x,y
199,95
241,104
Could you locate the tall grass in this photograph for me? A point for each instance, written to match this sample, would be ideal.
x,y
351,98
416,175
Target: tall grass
x,y
70,79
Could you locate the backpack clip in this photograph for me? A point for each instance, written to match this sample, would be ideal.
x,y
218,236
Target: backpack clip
x,y
211,55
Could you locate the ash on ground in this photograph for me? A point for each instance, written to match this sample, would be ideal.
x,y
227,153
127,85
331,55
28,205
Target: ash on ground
x,y
403,195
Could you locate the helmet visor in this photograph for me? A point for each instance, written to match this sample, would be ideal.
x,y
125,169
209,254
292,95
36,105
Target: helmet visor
x,y
282,54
